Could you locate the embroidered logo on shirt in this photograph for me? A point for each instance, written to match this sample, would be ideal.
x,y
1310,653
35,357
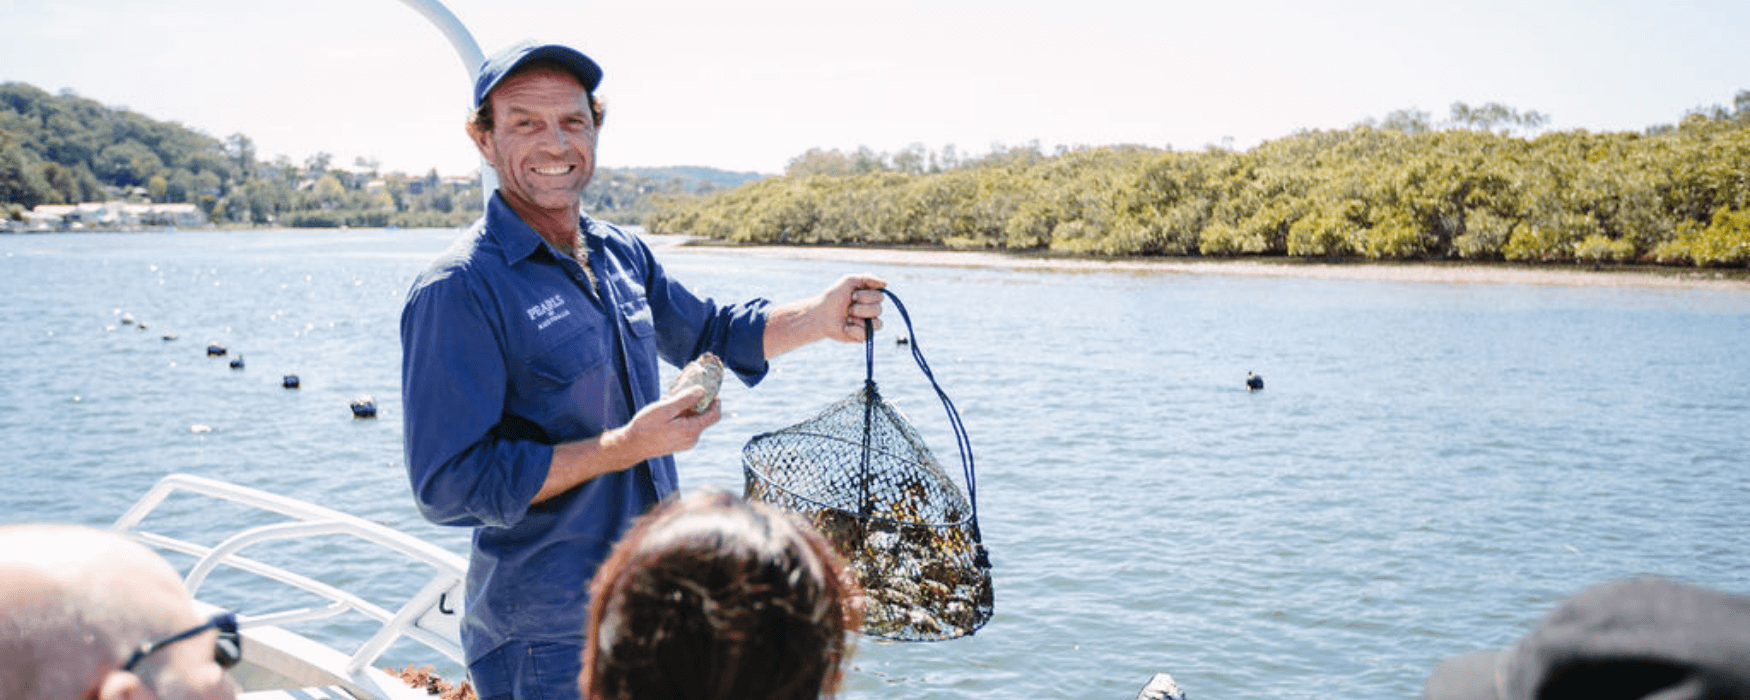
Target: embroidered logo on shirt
x,y
548,311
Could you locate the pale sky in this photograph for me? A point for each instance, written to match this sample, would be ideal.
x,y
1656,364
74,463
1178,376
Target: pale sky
x,y
749,85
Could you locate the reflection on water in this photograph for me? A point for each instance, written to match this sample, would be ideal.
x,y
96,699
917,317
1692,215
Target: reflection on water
x,y
1430,468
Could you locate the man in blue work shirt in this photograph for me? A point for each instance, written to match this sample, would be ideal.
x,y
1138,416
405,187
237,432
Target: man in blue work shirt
x,y
530,379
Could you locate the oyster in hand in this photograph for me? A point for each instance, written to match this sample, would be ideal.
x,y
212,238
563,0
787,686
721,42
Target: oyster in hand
x,y
706,371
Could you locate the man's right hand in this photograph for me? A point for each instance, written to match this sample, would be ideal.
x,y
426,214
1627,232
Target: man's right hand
x,y
669,425
663,427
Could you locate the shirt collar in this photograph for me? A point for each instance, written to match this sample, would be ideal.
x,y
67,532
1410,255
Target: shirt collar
x,y
515,237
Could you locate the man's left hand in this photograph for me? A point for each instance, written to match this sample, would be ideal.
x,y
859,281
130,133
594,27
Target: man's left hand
x,y
837,313
854,298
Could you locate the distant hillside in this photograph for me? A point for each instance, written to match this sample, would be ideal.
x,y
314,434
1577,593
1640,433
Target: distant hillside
x,y
68,149
63,148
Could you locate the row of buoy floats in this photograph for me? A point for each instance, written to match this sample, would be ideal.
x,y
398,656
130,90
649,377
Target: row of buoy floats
x,y
216,350
362,407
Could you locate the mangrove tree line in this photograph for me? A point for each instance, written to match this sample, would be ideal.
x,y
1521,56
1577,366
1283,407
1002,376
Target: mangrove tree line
x,y
1403,188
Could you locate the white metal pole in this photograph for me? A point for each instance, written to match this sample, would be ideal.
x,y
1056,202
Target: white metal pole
x,y
469,51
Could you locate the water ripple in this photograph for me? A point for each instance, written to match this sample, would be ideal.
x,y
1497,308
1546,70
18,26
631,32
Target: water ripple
x,y
1430,468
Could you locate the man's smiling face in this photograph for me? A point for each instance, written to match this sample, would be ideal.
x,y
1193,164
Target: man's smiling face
x,y
542,144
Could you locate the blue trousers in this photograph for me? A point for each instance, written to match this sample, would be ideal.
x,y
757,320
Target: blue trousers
x,y
528,671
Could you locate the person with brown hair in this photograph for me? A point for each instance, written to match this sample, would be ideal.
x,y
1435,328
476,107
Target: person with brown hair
x,y
712,597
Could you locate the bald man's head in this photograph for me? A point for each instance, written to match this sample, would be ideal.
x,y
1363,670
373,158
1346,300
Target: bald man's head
x,y
75,602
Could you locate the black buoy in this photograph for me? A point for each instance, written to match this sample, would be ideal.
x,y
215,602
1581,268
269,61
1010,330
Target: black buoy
x,y
364,407
290,382
215,350
237,362
1254,382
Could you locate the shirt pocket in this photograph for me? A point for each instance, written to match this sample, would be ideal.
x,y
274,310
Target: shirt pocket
x,y
638,318
566,357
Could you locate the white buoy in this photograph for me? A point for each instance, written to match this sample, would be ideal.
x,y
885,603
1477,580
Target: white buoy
x,y
1161,687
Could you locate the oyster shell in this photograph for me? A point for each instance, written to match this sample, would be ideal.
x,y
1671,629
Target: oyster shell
x,y
706,371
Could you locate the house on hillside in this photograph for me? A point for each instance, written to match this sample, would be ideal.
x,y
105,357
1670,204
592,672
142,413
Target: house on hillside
x,y
179,215
112,216
57,217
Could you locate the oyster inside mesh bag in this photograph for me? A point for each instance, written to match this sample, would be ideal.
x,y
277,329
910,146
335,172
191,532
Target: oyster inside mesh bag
x,y
861,474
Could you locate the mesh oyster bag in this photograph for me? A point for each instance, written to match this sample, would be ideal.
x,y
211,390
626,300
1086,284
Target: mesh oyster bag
x,y
861,474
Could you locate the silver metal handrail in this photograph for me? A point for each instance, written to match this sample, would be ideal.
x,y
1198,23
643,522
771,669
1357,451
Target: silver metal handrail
x,y
430,617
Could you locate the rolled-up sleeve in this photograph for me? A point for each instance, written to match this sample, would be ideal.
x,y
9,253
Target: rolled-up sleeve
x,y
690,325
462,468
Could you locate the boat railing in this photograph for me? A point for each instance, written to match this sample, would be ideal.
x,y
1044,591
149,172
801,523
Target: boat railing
x,y
430,617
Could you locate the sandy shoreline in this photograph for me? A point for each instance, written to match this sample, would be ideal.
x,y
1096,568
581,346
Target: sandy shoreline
x,y
1440,273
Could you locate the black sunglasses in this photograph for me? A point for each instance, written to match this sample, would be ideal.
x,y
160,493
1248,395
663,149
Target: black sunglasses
x,y
227,650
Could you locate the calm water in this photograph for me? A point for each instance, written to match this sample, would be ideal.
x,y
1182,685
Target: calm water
x,y
1431,467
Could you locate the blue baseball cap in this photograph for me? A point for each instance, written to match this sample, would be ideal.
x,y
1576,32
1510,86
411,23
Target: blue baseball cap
x,y
502,63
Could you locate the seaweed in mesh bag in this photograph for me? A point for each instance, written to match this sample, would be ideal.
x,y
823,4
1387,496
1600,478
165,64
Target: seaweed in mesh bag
x,y
861,474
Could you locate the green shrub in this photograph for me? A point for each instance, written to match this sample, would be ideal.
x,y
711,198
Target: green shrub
x,y
1395,236
1226,239
1329,231
1597,248
1725,241
1485,235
